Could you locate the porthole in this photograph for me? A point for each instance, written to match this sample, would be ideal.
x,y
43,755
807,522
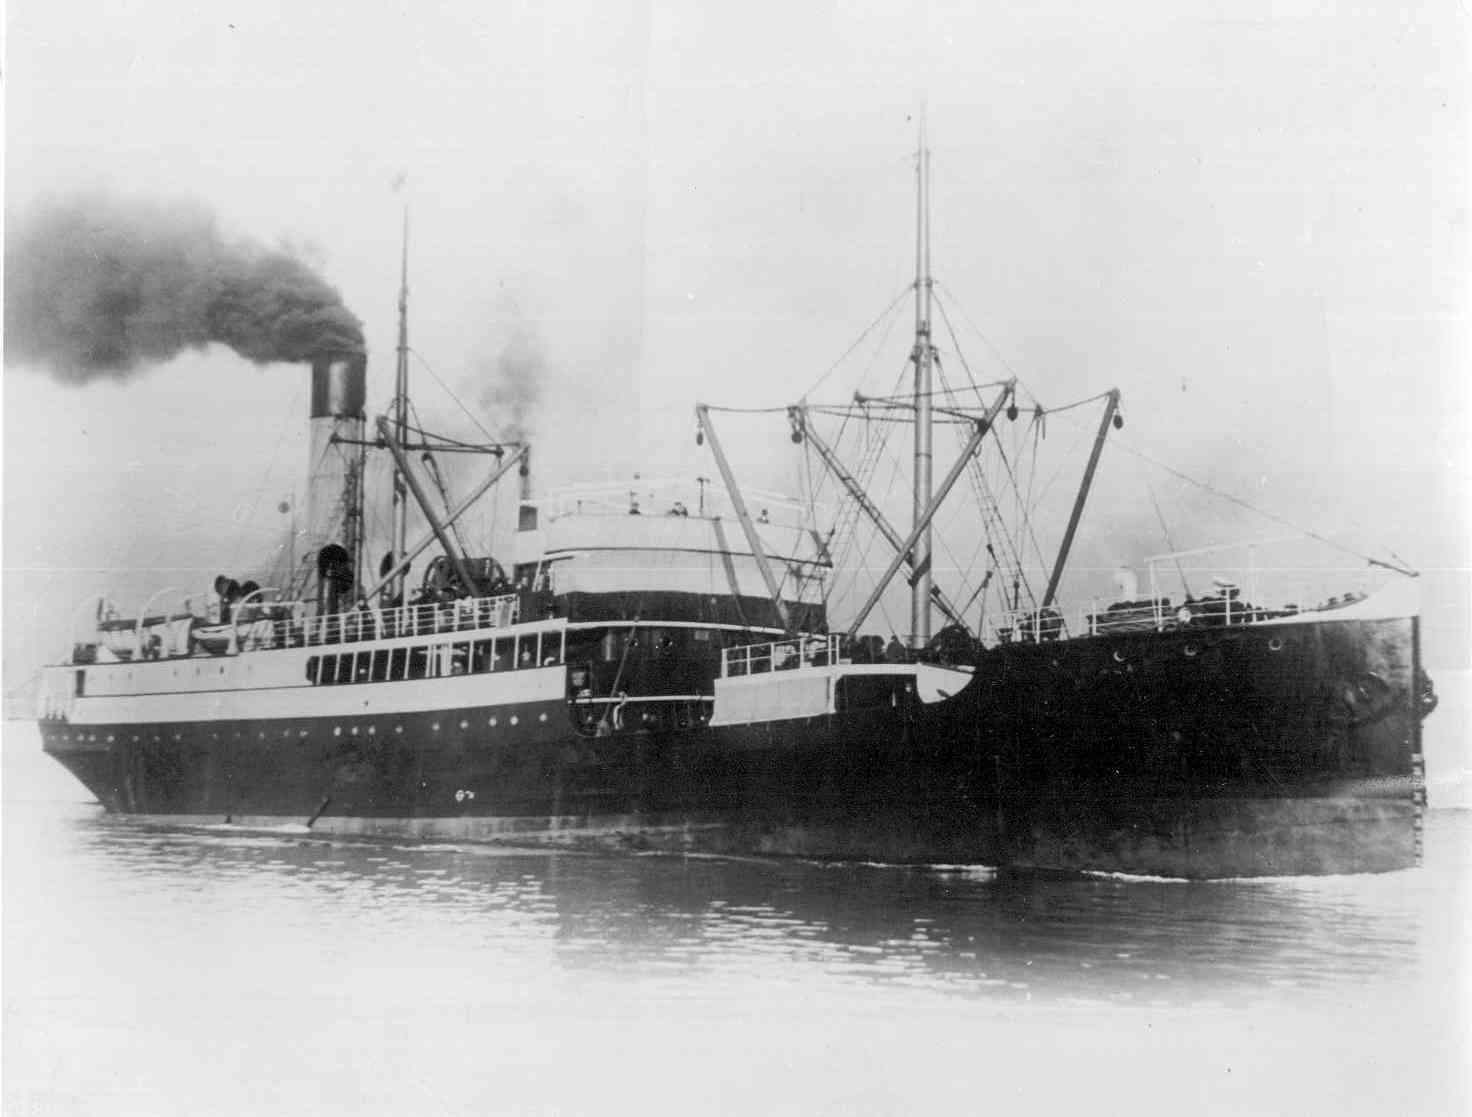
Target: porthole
x,y
515,720
1192,651
1118,656
337,731
1275,645
435,727
543,718
492,723
465,725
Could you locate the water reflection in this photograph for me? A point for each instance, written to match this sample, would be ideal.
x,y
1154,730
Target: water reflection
x,y
672,924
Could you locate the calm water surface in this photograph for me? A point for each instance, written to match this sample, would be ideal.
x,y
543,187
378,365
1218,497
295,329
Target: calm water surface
x,y
156,972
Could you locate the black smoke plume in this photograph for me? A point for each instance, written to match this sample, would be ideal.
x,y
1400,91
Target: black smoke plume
x,y
512,384
103,285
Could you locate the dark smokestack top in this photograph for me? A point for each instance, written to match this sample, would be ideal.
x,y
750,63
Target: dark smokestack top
x,y
339,385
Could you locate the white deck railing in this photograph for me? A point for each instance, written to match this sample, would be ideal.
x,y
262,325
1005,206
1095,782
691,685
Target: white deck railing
x,y
414,620
263,625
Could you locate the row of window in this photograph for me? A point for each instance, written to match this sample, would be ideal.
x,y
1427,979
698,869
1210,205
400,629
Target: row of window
x,y
429,661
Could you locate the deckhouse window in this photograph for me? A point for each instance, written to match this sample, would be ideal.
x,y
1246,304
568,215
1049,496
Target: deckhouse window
x,y
313,662
480,658
398,663
459,659
527,648
418,662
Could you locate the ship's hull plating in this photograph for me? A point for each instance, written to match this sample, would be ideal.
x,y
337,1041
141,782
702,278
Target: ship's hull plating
x,y
1243,751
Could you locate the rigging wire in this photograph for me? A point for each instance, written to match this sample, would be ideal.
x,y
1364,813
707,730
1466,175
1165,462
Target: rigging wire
x,y
1024,526
1342,548
1165,531
862,553
985,340
1059,410
990,509
878,348
991,512
727,410
480,426
971,467
846,521
266,477
961,355
885,313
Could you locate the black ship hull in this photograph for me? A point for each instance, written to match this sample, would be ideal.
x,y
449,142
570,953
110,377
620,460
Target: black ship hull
x,y
1288,748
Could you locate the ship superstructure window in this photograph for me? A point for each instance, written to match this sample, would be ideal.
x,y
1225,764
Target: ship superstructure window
x,y
418,662
480,656
462,657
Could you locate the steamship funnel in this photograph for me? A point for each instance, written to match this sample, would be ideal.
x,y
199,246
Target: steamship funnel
x,y
335,472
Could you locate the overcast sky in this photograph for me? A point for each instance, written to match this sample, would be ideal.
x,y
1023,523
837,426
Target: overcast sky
x,y
1250,217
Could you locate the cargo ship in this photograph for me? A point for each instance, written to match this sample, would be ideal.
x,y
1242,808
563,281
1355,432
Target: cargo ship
x,y
668,677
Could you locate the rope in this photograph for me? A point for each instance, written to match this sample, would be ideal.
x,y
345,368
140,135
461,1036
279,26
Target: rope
x,y
845,524
985,340
990,508
1274,517
859,341
1165,531
419,357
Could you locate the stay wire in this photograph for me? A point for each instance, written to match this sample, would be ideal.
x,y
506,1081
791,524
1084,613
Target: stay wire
x,y
860,340
1264,513
1165,531
445,388
265,479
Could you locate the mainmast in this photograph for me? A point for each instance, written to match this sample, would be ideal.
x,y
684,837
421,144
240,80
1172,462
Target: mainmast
x,y
920,584
401,416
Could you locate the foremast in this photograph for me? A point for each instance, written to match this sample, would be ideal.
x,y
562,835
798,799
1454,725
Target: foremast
x,y
922,355
401,422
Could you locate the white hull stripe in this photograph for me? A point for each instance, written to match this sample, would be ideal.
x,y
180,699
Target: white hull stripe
x,y
410,696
